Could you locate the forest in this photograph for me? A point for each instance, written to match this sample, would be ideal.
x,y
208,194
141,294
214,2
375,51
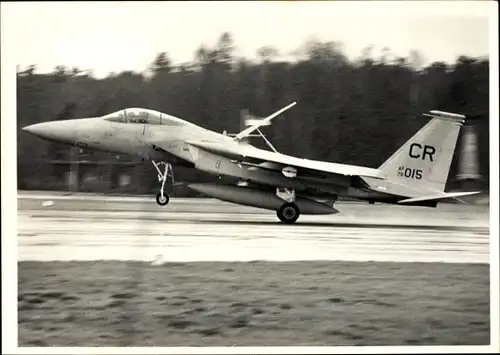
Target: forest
x,y
356,111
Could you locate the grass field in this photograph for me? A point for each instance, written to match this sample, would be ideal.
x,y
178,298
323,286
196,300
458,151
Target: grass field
x,y
252,304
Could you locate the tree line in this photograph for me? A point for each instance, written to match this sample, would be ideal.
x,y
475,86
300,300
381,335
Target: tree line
x,y
355,111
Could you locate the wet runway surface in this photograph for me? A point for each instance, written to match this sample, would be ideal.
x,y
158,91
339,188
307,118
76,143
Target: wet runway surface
x,y
86,227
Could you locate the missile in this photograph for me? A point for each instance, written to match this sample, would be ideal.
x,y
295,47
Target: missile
x,y
257,198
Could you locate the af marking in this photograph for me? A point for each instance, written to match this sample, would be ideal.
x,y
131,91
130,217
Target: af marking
x,y
410,173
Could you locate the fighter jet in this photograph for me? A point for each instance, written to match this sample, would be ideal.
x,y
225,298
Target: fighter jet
x,y
416,174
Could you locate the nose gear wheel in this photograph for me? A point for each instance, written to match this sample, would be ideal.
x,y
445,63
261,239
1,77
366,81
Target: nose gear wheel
x,y
162,198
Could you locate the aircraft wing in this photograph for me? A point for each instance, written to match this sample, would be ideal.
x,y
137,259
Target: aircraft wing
x,y
441,196
246,154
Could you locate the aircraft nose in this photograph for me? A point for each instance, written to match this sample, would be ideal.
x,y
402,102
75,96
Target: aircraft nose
x,y
53,130
39,129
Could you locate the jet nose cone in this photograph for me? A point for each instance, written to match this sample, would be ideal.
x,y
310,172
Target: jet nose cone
x,y
27,128
38,129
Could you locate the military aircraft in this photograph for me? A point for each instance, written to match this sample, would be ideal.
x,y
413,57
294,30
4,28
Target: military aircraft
x,y
416,174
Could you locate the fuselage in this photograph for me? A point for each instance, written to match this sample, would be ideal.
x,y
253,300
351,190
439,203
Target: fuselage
x,y
415,174
157,136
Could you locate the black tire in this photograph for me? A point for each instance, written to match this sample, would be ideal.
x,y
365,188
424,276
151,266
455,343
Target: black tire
x,y
164,201
288,213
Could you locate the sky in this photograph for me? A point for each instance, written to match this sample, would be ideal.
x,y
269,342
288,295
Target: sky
x,y
115,36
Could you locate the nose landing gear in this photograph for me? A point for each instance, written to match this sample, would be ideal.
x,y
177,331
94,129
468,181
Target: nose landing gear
x,y
162,198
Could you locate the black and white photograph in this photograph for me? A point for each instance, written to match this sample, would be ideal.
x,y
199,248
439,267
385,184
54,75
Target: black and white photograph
x,y
250,176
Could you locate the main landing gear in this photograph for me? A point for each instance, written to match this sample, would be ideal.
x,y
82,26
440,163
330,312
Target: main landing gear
x,y
288,212
162,198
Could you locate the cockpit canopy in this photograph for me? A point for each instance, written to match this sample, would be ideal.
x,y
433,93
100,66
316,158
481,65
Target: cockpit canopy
x,y
144,116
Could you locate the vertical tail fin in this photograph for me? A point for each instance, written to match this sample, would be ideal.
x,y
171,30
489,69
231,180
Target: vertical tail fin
x,y
424,161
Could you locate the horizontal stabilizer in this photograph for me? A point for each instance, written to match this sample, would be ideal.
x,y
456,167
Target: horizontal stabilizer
x,y
438,197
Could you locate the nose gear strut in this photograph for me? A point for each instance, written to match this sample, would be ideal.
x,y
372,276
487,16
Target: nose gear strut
x,y
162,198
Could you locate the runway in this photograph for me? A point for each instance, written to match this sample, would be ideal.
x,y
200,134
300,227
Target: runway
x,y
89,227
